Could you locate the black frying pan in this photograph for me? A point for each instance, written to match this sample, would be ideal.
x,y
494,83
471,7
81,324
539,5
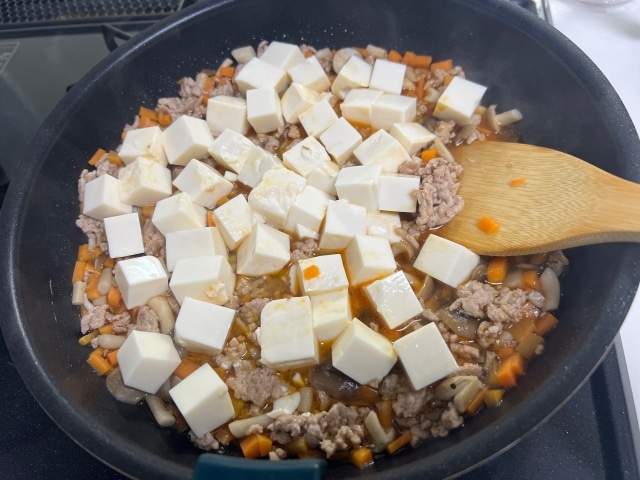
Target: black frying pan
x,y
567,105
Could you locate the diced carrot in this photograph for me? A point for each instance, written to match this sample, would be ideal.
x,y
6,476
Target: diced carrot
x,y
227,71
399,442
186,368
106,329
384,409
510,369
93,293
361,457
147,211
164,119
516,182
407,57
497,269
447,80
144,122
112,357
84,254
91,268
419,61
97,156
445,65
109,262
493,397
205,99
114,297
144,112
488,225
121,308
362,51
98,351
114,158
308,53
530,280
100,364
211,221
545,324
504,352
428,154
420,88
78,271
256,445
394,56
208,85
476,403
311,272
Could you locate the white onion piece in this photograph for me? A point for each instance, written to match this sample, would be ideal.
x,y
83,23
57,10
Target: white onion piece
x,y
162,416
120,391
513,279
162,309
306,399
550,288
509,117
239,428
342,56
380,436
110,341
79,289
104,281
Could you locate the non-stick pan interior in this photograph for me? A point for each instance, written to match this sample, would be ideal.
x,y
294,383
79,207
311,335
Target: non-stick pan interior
x,y
566,102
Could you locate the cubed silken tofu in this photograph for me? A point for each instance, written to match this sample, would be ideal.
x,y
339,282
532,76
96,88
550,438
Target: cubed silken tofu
x,y
203,183
203,400
384,224
425,356
305,156
387,76
389,109
276,193
139,279
102,198
331,312
363,354
308,211
263,109
231,150
310,74
459,100
412,136
360,185
286,334
264,251
394,299
368,258
208,278
257,73
147,360
318,118
356,106
445,260
186,138
295,100
144,182
340,140
356,73
143,142
225,112
178,212
124,235
257,163
397,193
321,274
342,222
382,149
323,177
234,220
203,327
197,242
282,55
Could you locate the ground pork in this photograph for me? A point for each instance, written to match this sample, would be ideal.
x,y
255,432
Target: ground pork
x,y
146,320
98,316
488,333
445,130
507,306
258,385
232,352
206,442
265,286
449,420
558,262
153,240
94,230
188,103
473,298
306,248
467,352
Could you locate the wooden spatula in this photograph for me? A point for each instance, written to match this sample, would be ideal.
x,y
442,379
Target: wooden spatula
x,y
555,201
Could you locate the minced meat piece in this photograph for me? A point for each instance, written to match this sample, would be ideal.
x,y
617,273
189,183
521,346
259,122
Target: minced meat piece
x,y
507,306
94,230
258,385
558,262
206,442
306,248
467,352
146,320
488,333
473,298
445,130
449,420
153,240
408,402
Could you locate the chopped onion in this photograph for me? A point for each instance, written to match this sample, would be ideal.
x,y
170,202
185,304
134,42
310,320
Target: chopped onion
x,y
443,151
377,52
380,436
159,410
120,391
550,288
239,428
450,387
513,279
110,341
104,281
79,289
510,116
306,399
342,56
162,309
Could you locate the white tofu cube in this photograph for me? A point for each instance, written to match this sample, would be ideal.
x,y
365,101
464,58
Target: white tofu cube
x,y
203,327
340,140
197,242
305,156
362,354
360,185
382,149
143,142
412,136
276,193
124,235
446,261
227,112
186,138
203,183
139,279
209,279
147,360
231,150
144,182
389,109
308,211
102,198
384,224
234,220
331,312
387,76
342,222
357,105
203,400
296,100
178,212
398,192
394,299
318,118
368,258
257,73
282,55
286,334
459,101
310,74
356,73
266,250
425,356
263,109
323,177
257,163
321,274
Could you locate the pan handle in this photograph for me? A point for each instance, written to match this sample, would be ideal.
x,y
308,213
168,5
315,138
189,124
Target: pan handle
x,y
211,465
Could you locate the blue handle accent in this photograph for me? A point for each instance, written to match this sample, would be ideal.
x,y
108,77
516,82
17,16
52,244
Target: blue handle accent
x,y
216,466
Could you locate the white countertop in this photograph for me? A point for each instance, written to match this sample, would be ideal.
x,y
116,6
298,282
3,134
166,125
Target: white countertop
x,y
610,36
